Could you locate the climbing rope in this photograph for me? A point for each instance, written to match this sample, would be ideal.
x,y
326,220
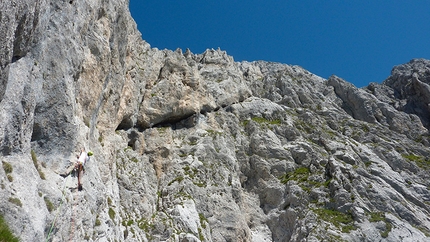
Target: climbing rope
x,y
58,211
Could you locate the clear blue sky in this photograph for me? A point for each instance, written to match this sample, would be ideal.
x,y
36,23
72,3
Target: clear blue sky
x,y
358,40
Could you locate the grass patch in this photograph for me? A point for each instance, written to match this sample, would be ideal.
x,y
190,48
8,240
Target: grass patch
x,y
111,214
343,221
97,222
200,184
420,161
261,120
7,167
304,126
300,175
190,172
201,237
36,165
5,233
145,225
203,220
49,204
378,217
365,128
388,227
134,159
178,179
15,201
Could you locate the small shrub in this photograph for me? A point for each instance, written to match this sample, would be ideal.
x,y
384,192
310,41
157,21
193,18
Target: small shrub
x,y
49,204
420,161
87,122
7,167
201,237
134,159
203,220
388,227
344,221
376,217
111,214
365,128
179,179
97,223
145,225
5,233
15,201
245,122
380,216
10,177
261,120
36,165
301,174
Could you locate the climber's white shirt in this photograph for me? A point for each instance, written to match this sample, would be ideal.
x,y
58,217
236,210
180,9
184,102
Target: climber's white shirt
x,y
83,157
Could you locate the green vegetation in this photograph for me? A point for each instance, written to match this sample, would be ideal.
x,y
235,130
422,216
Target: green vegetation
x,y
201,237
300,175
190,172
388,227
179,179
15,201
87,122
203,220
380,216
261,120
111,214
145,225
376,217
425,231
200,184
7,167
420,161
213,132
134,159
97,222
304,126
162,130
245,122
5,233
365,128
49,204
343,221
36,165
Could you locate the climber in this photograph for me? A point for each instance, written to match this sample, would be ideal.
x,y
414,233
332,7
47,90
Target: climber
x,y
79,166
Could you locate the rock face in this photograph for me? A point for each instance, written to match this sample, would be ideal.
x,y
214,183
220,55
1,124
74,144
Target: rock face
x,y
197,147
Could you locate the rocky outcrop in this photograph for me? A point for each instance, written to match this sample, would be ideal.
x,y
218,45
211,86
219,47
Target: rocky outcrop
x,y
197,147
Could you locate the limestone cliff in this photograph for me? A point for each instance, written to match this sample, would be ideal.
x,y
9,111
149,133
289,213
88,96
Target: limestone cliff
x,y
197,147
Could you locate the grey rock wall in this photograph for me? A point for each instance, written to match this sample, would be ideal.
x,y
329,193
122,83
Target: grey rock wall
x,y
197,147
